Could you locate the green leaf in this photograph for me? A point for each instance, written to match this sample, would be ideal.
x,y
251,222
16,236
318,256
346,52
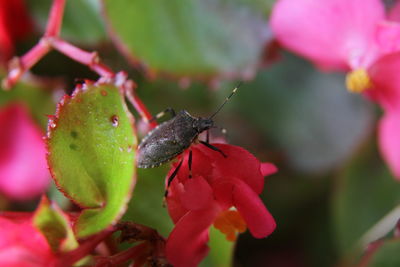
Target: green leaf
x,y
81,23
146,206
91,155
191,37
366,192
387,255
55,226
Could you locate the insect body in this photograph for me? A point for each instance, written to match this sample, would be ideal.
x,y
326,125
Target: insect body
x,y
170,139
173,137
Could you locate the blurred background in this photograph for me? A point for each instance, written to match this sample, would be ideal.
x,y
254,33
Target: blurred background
x,y
332,185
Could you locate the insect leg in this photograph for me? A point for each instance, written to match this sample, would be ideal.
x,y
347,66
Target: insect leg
x,y
171,178
190,163
214,148
161,114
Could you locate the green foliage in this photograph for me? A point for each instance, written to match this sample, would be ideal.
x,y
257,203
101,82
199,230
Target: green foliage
x,y
191,37
221,250
387,255
91,155
366,192
82,22
146,205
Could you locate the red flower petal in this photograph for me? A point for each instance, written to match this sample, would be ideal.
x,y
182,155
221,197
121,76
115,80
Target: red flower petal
x,y
23,167
15,24
197,194
239,164
176,209
22,245
268,168
258,219
187,243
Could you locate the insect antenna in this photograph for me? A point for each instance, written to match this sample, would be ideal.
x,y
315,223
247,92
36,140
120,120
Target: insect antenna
x,y
226,99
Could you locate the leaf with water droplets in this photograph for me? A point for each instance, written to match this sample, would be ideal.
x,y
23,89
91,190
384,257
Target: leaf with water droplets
x,y
91,153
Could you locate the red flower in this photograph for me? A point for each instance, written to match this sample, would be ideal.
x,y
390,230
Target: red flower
x,y
223,192
23,167
21,244
14,25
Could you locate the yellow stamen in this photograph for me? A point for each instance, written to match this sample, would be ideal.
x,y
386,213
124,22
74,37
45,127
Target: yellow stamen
x,y
230,222
358,80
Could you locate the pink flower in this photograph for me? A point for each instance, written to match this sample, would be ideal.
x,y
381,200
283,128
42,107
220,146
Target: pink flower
x,y
356,36
21,244
223,192
15,24
23,167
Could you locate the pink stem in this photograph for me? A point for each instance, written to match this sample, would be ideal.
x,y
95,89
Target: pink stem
x,y
19,65
55,19
140,107
50,41
91,59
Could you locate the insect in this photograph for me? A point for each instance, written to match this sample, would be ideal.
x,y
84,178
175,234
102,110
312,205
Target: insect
x,y
173,137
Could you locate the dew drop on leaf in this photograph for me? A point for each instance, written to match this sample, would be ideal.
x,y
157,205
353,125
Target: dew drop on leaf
x,y
115,120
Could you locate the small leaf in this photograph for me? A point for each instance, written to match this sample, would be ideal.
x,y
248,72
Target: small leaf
x,y
91,153
191,37
55,226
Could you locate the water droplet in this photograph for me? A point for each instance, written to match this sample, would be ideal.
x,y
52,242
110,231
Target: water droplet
x,y
74,134
103,92
114,120
52,124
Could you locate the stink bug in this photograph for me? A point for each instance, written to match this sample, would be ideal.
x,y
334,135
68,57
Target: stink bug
x,y
173,137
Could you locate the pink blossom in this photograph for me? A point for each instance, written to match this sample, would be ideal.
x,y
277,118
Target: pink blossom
x,y
21,244
23,167
356,36
223,192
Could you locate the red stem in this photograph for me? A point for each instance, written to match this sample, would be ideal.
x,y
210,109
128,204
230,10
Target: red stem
x,y
140,107
55,19
123,256
69,258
